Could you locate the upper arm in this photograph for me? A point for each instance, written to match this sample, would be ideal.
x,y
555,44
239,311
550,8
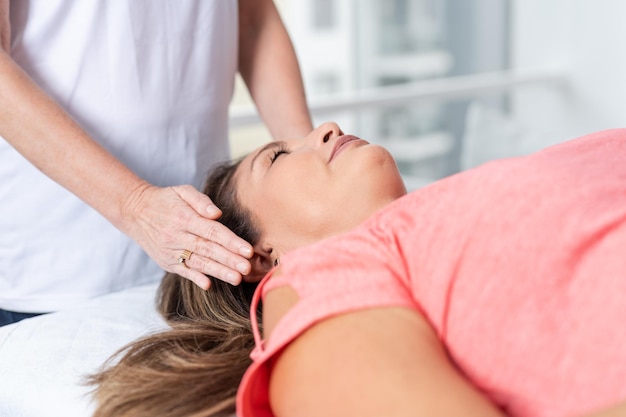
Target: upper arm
x,y
375,362
253,15
5,26
616,410
276,304
270,70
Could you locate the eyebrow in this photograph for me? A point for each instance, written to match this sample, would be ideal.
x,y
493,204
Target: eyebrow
x,y
264,149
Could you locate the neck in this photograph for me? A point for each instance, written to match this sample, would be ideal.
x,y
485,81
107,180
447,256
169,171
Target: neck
x,y
292,240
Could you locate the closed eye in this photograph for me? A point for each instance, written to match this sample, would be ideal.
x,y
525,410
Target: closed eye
x,y
271,151
276,153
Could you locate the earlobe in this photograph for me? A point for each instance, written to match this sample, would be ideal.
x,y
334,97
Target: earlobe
x,y
262,261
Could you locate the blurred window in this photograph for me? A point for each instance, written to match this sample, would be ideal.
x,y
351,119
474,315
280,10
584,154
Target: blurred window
x,y
323,14
355,45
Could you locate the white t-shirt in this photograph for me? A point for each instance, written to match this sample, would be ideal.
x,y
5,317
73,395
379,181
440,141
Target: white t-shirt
x,y
151,81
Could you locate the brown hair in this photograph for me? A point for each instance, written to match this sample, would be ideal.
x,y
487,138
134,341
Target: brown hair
x,y
195,367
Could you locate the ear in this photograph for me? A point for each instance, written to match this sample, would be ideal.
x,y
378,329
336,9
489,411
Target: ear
x,y
262,261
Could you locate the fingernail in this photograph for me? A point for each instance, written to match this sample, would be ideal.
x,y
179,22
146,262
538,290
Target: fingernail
x,y
245,251
243,267
213,211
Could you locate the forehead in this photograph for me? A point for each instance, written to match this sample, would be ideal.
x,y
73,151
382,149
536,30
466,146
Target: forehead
x,y
246,170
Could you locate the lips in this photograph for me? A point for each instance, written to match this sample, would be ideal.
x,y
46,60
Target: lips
x,y
341,143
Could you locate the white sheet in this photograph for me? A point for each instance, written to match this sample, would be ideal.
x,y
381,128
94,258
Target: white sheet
x,y
43,359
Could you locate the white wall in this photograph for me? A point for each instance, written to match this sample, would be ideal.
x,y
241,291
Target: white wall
x,y
587,40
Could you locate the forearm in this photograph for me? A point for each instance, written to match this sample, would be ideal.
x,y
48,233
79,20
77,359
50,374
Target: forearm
x,y
268,65
162,220
5,26
48,137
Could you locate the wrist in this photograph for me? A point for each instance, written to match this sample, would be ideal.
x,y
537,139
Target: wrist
x,y
132,206
297,128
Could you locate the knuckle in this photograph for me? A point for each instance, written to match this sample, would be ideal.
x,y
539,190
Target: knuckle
x,y
212,232
202,264
181,217
209,252
212,269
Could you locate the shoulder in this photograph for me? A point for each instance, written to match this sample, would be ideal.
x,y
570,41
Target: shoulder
x,y
310,288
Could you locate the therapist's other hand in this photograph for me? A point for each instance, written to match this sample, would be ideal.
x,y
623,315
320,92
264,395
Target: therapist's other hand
x,y
168,221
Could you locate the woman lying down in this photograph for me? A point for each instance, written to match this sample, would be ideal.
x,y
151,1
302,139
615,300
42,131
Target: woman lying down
x,y
497,291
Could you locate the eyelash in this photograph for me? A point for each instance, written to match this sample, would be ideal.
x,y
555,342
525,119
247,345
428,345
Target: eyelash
x,y
276,153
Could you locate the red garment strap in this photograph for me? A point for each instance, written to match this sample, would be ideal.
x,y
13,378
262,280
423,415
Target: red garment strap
x,y
256,297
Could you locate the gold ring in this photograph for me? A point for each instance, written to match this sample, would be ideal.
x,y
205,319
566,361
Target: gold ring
x,y
184,257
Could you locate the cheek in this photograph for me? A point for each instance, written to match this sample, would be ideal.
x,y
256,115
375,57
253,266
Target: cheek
x,y
302,204
302,182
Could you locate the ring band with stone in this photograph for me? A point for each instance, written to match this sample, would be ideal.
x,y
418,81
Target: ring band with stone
x,y
184,256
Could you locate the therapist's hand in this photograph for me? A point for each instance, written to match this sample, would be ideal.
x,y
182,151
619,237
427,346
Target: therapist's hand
x,y
168,221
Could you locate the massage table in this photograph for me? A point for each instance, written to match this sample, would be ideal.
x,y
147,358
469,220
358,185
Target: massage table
x,y
44,359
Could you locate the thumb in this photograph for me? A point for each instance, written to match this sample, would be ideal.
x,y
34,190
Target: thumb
x,y
200,202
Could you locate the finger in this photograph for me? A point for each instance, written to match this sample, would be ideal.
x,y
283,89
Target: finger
x,y
216,232
200,202
206,266
196,277
210,251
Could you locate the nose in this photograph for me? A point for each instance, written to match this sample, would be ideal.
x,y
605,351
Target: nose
x,y
325,133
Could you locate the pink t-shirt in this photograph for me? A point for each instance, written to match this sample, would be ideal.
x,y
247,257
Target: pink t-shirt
x,y
519,266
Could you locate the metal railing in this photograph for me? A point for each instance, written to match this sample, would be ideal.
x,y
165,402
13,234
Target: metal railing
x,y
433,90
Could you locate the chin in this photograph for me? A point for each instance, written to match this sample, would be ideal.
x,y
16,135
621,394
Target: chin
x,y
379,155
378,177
389,172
